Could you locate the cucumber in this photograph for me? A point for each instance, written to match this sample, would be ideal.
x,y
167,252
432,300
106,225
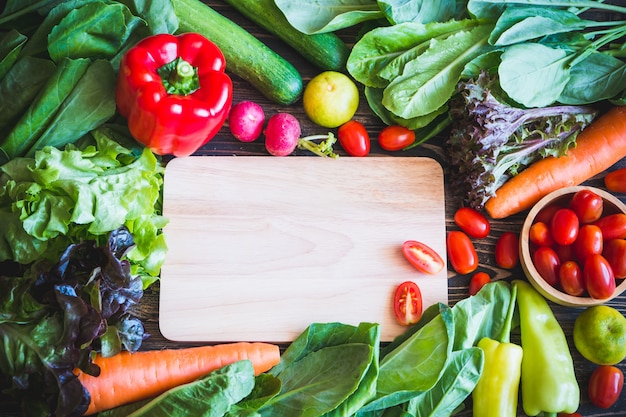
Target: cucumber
x,y
246,56
324,50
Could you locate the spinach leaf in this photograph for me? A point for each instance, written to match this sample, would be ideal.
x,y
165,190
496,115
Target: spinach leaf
x,y
428,81
454,386
520,24
533,74
43,109
597,77
307,381
266,387
92,101
427,351
210,396
318,16
394,46
420,11
158,14
482,315
37,45
11,44
20,86
95,30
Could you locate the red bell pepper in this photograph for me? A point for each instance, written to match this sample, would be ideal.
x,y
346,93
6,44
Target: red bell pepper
x,y
174,92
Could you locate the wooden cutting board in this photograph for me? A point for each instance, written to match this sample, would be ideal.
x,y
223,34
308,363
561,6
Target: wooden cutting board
x,y
261,247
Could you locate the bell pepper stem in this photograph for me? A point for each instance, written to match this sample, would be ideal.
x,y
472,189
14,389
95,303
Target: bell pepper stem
x,y
179,77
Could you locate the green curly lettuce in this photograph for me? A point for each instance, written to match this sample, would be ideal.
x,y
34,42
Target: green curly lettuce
x,y
60,197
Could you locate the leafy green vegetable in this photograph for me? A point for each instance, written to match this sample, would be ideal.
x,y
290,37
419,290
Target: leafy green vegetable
x,y
65,196
491,141
318,16
455,385
20,86
210,396
11,44
52,317
311,361
421,11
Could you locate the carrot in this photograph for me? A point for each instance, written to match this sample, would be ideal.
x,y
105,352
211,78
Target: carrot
x,y
598,147
128,377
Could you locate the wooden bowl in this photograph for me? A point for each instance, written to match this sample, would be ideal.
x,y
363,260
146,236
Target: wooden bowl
x,y
611,205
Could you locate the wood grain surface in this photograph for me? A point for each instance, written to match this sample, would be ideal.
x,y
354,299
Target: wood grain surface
x,y
261,247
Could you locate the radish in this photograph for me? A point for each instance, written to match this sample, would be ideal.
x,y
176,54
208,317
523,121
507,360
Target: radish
x,y
282,134
245,121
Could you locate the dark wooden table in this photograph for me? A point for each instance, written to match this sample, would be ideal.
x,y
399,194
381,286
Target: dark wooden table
x,y
225,144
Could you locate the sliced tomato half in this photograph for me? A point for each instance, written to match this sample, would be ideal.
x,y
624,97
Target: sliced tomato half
x,y
407,303
422,257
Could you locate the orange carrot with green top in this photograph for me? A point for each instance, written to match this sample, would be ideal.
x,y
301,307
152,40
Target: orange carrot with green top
x,y
128,377
598,147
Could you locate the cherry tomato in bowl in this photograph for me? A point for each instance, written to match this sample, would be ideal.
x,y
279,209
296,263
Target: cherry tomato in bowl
x,y
395,138
587,205
472,222
354,139
407,303
605,385
422,257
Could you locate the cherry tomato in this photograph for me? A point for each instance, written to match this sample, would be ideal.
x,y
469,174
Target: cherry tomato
x,y
564,226
507,250
461,252
616,180
587,205
539,234
479,280
615,253
547,263
395,138
565,252
422,257
472,222
569,415
571,278
407,303
598,277
605,385
546,213
588,242
613,226
354,138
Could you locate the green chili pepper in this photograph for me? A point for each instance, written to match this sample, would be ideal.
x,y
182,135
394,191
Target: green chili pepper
x,y
549,383
496,393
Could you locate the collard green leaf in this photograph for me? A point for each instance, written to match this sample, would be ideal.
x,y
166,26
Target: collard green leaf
x,y
454,386
428,81
20,86
532,74
96,30
307,381
318,16
11,44
597,77
520,24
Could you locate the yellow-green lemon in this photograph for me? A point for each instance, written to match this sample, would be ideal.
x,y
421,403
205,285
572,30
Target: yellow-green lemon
x,y
330,99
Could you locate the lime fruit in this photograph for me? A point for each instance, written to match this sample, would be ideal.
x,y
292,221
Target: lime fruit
x,y
600,335
330,99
